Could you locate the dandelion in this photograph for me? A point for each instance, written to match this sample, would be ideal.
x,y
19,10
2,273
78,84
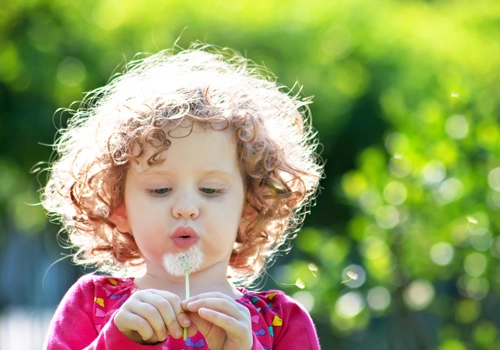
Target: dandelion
x,y
352,276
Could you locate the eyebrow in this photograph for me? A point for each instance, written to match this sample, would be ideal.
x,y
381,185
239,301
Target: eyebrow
x,y
208,172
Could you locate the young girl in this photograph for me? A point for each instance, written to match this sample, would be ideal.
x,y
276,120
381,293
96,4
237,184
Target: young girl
x,y
184,174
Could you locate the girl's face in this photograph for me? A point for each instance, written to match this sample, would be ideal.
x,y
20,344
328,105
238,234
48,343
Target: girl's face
x,y
193,199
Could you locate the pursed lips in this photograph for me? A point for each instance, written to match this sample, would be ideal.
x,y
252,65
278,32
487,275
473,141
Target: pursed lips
x,y
184,237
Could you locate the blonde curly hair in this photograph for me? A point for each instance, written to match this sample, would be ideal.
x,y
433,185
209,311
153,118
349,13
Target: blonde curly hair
x,y
217,89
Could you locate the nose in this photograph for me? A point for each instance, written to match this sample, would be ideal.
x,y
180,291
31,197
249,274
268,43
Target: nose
x,y
185,207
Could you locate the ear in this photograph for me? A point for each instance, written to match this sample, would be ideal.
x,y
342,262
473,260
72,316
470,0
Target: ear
x,y
120,219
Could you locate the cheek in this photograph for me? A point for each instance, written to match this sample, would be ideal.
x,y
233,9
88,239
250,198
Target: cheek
x,y
143,220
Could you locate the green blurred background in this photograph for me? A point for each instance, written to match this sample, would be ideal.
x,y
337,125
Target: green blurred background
x,y
406,101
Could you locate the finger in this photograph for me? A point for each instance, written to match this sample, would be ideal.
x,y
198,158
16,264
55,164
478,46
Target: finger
x,y
221,312
192,329
215,336
229,307
133,326
237,331
149,315
219,319
175,303
216,295
199,300
169,307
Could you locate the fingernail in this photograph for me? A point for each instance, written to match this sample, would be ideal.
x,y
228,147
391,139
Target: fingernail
x,y
185,321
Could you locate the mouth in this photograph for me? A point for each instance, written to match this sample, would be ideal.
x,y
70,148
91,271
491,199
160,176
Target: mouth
x,y
184,237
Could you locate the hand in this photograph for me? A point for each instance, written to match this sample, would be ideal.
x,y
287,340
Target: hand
x,y
149,316
225,324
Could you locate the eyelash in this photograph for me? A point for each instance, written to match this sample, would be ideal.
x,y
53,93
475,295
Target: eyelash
x,y
210,192
160,192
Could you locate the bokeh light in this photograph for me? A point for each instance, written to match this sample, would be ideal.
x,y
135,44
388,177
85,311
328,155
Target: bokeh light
x,y
419,294
457,126
71,72
442,253
354,275
475,264
434,171
305,298
349,305
378,298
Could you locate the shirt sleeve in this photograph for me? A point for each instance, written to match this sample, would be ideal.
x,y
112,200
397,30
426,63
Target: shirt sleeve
x,y
72,326
299,332
256,344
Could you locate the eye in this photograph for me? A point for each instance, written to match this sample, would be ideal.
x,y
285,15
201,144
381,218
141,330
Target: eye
x,y
160,192
211,191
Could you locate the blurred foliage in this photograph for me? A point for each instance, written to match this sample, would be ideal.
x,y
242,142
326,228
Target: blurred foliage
x,y
402,250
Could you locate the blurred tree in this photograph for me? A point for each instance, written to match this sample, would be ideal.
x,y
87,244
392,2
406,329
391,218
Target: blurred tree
x,y
402,249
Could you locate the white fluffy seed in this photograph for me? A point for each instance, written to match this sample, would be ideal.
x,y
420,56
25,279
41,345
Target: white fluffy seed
x,y
176,264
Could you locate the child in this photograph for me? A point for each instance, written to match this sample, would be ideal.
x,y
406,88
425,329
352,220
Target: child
x,y
184,174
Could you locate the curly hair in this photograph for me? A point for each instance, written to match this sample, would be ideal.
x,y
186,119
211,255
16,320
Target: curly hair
x,y
216,88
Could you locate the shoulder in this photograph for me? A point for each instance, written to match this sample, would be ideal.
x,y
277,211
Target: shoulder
x,y
270,298
285,320
87,306
275,308
92,281
96,286
266,296
100,296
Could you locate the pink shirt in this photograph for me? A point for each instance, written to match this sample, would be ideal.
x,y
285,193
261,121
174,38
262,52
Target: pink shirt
x,y
84,320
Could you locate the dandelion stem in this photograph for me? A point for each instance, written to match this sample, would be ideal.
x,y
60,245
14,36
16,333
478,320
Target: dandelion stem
x,y
186,275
